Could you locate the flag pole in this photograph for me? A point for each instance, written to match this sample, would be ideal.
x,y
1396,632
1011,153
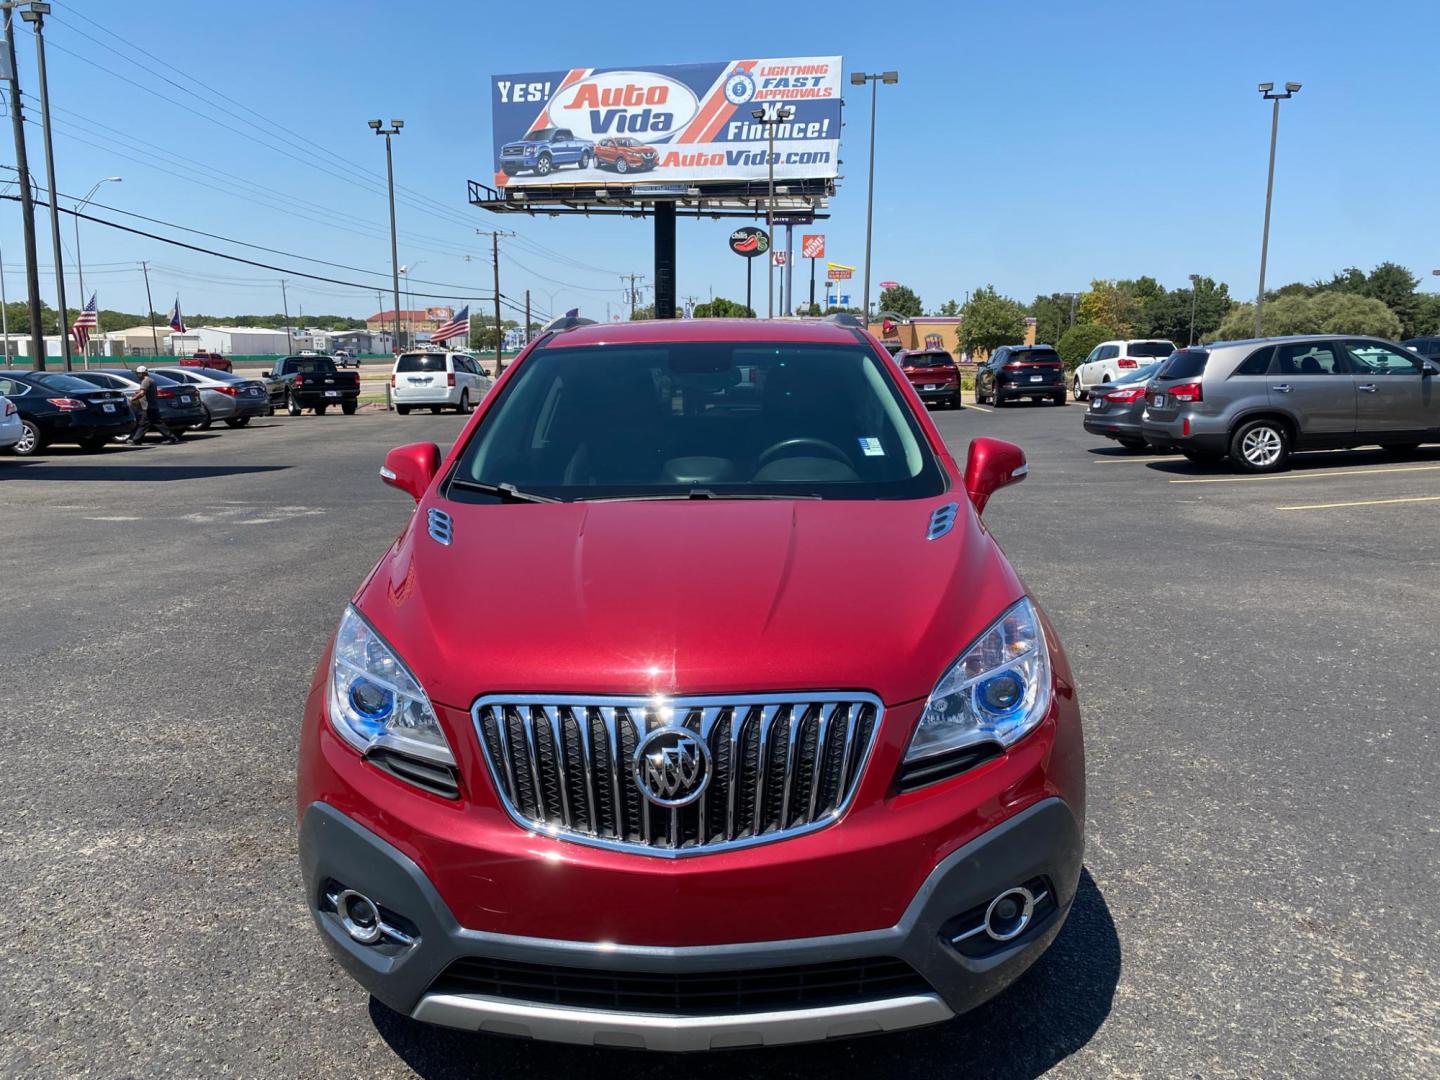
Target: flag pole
x,y
154,335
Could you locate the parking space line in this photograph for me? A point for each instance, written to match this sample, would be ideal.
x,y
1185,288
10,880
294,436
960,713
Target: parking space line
x,y
1308,475
1130,460
1366,502
978,408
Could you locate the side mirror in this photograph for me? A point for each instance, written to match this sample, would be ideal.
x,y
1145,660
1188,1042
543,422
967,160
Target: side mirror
x,y
992,464
411,468
1429,367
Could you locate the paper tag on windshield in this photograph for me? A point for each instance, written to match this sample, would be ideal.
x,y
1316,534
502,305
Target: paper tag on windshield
x,y
871,447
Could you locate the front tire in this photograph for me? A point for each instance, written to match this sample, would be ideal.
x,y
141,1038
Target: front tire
x,y
1077,391
292,405
621,165
544,166
1260,446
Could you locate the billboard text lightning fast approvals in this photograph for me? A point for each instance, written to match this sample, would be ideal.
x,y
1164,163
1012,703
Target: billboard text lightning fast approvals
x,y
684,122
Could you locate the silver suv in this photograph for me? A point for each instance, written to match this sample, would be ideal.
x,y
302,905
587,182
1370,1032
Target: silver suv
x,y
1257,401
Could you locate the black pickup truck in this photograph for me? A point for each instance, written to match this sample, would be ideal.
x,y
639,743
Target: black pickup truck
x,y
312,382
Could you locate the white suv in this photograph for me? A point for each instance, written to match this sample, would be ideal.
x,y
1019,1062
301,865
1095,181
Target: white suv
x,y
1111,359
436,380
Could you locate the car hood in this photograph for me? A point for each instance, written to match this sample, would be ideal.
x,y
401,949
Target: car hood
x,y
691,597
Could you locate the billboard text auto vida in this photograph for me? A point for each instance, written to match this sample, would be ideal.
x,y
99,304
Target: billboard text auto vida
x,y
688,122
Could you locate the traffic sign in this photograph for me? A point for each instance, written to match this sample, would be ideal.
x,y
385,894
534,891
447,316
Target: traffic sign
x,y
812,246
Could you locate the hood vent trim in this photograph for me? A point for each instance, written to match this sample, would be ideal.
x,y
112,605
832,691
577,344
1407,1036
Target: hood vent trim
x,y
441,527
942,521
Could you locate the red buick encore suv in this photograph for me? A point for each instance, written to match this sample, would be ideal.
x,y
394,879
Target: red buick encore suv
x,y
694,708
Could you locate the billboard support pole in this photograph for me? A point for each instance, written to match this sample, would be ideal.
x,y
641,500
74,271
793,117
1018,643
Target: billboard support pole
x,y
749,276
664,260
788,305
812,283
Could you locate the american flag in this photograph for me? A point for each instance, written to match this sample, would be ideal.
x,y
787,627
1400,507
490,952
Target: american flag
x,y
176,322
460,324
86,321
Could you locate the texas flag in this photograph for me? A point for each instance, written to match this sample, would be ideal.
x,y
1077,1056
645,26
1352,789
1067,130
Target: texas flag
x,y
176,322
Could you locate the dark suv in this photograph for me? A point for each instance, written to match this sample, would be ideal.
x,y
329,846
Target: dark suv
x,y
1020,371
1256,401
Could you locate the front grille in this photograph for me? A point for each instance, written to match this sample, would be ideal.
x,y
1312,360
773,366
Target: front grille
x,y
778,766
691,993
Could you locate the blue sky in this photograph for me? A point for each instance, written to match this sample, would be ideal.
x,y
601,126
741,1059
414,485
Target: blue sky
x,y
1030,146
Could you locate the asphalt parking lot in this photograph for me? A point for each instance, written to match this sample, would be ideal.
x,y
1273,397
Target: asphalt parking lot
x,y
1257,662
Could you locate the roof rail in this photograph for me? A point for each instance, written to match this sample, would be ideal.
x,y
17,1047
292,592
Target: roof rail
x,y
565,322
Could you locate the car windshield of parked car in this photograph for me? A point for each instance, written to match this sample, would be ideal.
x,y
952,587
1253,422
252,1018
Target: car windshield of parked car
x,y
1143,374
1150,348
64,383
701,419
420,362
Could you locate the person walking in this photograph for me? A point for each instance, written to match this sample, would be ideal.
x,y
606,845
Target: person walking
x,y
145,402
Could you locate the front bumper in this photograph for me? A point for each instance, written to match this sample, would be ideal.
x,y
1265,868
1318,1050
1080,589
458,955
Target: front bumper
x,y
1041,842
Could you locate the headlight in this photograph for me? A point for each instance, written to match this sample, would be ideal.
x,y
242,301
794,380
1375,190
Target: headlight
x,y
996,692
375,701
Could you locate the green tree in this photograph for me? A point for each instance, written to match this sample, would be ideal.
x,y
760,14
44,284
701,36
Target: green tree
x,y
645,311
1112,304
902,300
989,320
1052,316
1322,313
950,309
1168,316
1075,344
721,308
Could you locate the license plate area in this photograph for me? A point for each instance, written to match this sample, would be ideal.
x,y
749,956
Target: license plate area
x,y
332,393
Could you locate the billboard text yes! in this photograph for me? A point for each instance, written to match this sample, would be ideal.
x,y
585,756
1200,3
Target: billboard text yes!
x,y
688,123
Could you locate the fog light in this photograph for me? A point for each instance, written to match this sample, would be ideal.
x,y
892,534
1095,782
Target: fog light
x,y
1009,914
360,917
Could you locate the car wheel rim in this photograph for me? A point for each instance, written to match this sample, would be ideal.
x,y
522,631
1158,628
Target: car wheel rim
x,y
1077,386
27,441
1261,446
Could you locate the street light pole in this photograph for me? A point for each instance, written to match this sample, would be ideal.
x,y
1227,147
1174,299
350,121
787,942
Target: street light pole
x,y
35,16
770,115
1267,91
79,266
1194,290
860,78
378,126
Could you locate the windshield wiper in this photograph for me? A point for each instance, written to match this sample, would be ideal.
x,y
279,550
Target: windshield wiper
x,y
504,492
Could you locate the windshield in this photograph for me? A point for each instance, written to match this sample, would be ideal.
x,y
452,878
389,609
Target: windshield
x,y
539,135
67,383
420,362
1139,374
743,419
1149,348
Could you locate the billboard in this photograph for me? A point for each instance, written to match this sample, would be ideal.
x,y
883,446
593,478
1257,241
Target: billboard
x,y
686,123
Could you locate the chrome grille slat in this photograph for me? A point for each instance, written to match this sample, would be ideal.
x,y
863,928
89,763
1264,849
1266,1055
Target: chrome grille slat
x,y
781,765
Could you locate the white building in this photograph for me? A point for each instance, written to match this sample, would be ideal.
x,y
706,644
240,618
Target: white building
x,y
233,341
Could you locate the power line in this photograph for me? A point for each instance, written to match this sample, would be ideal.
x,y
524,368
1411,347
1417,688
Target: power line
x,y
236,258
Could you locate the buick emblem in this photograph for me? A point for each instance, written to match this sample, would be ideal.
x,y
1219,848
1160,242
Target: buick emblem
x,y
672,766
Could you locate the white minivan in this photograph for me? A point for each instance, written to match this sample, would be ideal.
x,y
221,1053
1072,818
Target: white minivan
x,y
436,380
1110,360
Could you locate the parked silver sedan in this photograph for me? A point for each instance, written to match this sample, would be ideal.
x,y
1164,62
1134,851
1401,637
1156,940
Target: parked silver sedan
x,y
226,396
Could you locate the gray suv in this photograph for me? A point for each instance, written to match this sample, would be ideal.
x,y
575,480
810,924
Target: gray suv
x,y
1257,401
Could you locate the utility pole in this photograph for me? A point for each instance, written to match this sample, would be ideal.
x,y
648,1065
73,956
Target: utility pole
x,y
150,304
378,126
1267,91
285,307
35,15
1194,290
632,293
495,235
4,311
27,201
526,336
